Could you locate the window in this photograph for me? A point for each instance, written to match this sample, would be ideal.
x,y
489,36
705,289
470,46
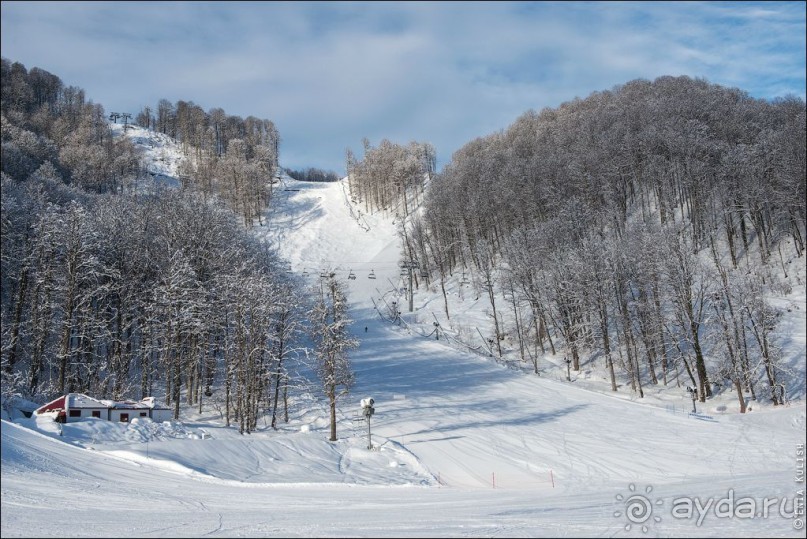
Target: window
x,y
96,413
75,413
124,418
143,414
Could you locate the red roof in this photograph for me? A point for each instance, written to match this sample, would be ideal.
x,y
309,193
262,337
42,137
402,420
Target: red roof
x,y
52,406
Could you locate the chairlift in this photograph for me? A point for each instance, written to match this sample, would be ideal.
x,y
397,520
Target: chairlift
x,y
424,274
305,272
372,275
352,276
464,280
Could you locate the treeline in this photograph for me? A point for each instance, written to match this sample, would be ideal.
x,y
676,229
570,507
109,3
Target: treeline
x,y
122,294
46,121
53,130
234,157
639,225
112,295
391,176
313,175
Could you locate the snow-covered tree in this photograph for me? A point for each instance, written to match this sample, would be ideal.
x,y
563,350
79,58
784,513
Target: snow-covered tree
x,y
330,331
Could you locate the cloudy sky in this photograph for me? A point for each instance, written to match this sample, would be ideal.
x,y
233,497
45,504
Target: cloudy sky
x,y
329,74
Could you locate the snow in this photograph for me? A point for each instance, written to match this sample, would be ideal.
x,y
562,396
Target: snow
x,y
161,153
463,444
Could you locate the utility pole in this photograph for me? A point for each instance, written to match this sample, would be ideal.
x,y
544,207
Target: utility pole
x,y
410,265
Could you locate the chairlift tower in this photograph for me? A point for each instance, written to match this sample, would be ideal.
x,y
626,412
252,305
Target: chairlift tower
x,y
410,265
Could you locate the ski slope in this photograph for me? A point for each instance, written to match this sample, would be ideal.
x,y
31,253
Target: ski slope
x,y
464,445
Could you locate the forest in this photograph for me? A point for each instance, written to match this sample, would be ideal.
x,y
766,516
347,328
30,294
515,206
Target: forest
x,y
312,174
643,227
121,291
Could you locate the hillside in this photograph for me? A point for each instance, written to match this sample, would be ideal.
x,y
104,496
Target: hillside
x,y
465,445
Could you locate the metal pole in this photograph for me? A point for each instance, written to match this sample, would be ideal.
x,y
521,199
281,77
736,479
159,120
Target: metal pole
x,y
369,436
411,294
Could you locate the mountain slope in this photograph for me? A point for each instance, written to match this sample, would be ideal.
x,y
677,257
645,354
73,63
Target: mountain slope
x,y
480,448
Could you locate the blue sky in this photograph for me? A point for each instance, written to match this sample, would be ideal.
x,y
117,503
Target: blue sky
x,y
330,73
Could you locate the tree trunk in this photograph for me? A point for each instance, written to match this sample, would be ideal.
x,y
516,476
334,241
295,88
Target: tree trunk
x,y
15,328
332,402
739,388
704,389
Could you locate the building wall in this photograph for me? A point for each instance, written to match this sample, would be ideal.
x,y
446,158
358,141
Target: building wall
x,y
157,415
85,413
130,413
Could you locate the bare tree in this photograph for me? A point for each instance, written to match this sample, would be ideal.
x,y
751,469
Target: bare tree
x,y
330,331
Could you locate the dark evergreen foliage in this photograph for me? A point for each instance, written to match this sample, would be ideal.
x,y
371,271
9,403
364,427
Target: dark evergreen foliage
x,y
313,175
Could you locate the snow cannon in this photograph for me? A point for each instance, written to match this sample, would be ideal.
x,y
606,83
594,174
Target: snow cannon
x,y
367,411
367,407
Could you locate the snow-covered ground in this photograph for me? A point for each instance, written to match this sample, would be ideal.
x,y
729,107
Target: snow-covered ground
x,y
161,154
464,445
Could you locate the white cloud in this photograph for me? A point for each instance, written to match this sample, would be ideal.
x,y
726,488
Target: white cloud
x,y
329,74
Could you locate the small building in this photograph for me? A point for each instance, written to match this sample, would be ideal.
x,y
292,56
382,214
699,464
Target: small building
x,y
76,406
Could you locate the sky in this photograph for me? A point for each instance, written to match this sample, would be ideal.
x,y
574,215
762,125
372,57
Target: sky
x,y
464,446
329,74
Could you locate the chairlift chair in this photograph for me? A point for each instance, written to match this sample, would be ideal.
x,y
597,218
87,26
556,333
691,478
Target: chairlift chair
x,y
372,275
352,276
